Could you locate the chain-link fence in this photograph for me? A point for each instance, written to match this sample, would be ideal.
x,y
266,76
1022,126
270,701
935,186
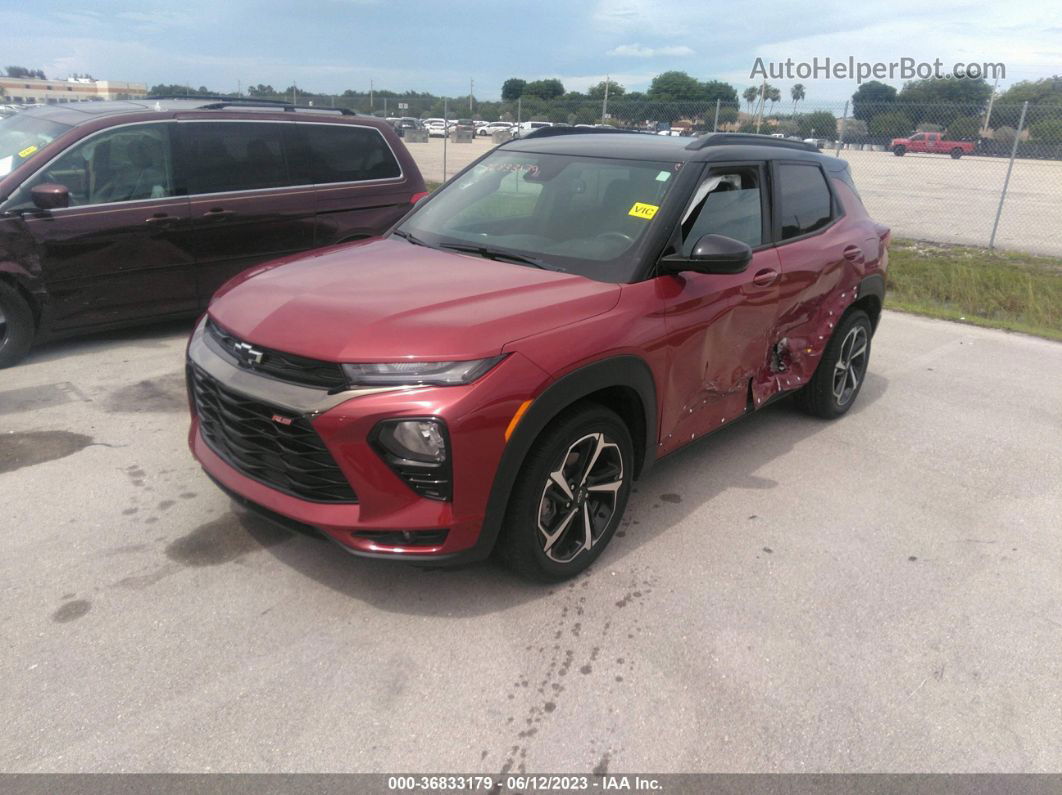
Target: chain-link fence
x,y
984,176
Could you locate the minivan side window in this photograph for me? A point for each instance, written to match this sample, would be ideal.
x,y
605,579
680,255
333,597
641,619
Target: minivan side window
x,y
345,153
226,156
126,163
804,199
726,203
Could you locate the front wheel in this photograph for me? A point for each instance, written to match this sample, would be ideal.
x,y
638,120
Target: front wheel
x,y
956,153
570,495
842,369
899,150
16,326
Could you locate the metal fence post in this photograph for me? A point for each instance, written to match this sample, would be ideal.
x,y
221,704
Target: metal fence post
x,y
519,107
840,138
1006,181
446,134
715,122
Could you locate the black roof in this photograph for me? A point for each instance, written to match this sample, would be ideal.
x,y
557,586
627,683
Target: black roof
x,y
707,148
75,113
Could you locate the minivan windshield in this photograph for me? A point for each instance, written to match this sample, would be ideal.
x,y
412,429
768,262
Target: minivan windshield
x,y
22,136
584,215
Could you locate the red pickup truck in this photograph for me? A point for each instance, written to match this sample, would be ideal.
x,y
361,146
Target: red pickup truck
x,y
931,142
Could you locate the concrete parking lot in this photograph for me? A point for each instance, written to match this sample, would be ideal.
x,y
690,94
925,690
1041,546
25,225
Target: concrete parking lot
x,y
925,197
880,593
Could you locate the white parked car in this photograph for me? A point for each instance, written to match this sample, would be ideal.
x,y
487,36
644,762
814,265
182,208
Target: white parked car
x,y
495,126
530,126
436,128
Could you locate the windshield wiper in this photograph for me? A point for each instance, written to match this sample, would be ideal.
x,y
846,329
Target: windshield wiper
x,y
416,241
495,254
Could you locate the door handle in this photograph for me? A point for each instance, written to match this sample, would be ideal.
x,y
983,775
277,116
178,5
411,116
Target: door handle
x,y
217,212
853,253
765,277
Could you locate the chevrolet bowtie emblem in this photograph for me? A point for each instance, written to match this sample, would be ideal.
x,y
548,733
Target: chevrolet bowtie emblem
x,y
247,354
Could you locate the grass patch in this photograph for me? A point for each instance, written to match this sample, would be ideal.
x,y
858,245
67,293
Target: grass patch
x,y
1017,292
430,186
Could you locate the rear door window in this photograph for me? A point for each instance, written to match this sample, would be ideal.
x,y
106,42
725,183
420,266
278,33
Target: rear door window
x,y
329,153
804,201
223,157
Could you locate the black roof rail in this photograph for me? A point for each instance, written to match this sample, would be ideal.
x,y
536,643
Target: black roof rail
x,y
219,103
548,132
747,139
220,98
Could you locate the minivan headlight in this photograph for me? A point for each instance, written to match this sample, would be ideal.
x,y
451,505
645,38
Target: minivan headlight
x,y
418,373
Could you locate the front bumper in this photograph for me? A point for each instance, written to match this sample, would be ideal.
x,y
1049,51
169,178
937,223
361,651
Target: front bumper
x,y
476,417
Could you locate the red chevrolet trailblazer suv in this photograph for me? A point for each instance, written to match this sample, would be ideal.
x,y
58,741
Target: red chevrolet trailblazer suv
x,y
498,368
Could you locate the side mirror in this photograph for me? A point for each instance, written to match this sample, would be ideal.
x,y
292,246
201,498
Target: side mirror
x,y
712,254
49,196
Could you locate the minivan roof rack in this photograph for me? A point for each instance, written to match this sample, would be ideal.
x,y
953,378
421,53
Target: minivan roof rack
x,y
747,139
548,132
219,103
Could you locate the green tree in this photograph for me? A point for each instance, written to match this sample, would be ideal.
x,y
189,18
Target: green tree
x,y
772,95
22,71
178,90
869,99
749,95
676,87
513,89
965,127
550,88
819,123
1048,131
797,94
940,100
890,124
261,90
614,90
717,89
1036,92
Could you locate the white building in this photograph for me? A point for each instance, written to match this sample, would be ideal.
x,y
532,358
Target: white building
x,y
34,91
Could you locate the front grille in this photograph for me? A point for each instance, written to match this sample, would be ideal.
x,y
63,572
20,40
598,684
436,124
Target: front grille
x,y
282,366
244,432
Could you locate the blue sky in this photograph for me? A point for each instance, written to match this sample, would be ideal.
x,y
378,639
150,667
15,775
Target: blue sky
x,y
331,45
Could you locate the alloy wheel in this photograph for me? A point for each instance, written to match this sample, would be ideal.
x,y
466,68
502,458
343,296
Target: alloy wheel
x,y
851,365
580,497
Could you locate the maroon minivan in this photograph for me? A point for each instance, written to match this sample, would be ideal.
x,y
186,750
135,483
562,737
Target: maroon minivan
x,y
116,213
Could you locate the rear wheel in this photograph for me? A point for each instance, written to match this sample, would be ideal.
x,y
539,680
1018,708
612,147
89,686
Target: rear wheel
x,y
16,325
570,496
842,369
956,153
899,150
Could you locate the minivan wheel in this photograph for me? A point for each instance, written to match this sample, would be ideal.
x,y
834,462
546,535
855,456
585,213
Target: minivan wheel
x,y
16,325
899,150
570,495
842,369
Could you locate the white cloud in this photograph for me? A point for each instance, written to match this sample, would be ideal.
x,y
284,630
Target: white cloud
x,y
638,51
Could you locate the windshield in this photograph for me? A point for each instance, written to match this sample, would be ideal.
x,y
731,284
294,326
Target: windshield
x,y
584,215
22,136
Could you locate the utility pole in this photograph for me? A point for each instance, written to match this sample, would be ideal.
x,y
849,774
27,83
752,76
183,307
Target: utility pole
x,y
604,102
763,103
988,113
370,97
293,92
471,88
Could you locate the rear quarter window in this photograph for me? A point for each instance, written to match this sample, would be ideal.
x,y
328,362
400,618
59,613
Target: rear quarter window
x,y
344,153
804,200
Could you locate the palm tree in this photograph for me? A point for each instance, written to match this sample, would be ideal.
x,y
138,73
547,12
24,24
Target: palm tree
x,y
797,93
773,95
749,95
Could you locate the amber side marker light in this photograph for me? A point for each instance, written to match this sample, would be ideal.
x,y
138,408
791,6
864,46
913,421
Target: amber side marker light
x,y
516,418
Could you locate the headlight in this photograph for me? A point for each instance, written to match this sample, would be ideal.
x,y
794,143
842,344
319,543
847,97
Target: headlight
x,y
418,373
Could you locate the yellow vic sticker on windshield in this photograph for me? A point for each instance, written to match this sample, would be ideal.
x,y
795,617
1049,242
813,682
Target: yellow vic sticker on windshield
x,y
29,150
646,211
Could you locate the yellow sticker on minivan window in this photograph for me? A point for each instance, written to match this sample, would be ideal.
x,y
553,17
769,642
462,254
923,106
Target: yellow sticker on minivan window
x,y
29,150
646,211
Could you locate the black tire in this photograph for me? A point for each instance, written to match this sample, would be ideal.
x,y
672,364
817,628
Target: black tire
x,y
538,502
16,326
899,150
956,153
830,392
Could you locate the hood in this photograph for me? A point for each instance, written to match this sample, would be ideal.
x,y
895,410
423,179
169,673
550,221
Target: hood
x,y
386,300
